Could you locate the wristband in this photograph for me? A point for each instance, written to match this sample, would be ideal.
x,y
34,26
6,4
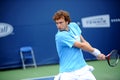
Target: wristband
x,y
96,52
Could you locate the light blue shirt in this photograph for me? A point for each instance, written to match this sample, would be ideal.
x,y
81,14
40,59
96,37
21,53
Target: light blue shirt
x,y
71,58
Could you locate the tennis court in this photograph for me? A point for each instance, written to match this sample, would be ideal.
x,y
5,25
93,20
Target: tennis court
x,y
102,72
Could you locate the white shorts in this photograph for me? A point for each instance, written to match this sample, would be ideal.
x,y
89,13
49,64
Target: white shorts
x,y
82,74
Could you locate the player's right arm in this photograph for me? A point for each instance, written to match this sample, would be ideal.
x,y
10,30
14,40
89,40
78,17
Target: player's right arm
x,y
84,45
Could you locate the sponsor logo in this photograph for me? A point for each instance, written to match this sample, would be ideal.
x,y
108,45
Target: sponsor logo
x,y
5,29
96,21
115,20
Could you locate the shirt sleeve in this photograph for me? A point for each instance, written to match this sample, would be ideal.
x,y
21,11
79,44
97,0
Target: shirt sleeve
x,y
68,41
65,39
76,27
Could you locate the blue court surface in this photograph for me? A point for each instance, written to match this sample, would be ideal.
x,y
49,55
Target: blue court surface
x,y
41,78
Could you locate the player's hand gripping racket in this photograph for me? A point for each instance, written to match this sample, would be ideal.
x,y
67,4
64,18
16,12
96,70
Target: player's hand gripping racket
x,y
113,58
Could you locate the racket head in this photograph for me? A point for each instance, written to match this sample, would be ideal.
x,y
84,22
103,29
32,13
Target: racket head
x,y
113,58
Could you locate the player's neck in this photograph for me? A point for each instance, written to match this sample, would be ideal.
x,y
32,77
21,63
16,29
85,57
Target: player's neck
x,y
67,28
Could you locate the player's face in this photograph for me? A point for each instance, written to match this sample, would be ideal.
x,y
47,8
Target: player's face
x,y
62,24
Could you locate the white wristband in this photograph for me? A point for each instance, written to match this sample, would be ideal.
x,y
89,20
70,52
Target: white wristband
x,y
96,52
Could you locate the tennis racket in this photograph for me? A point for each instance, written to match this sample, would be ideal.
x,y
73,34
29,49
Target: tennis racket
x,y
113,58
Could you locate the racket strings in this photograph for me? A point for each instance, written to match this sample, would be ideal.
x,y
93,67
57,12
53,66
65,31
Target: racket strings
x,y
114,58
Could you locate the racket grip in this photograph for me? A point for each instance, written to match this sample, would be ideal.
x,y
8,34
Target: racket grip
x,y
96,52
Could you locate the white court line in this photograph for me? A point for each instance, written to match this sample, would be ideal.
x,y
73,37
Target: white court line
x,y
38,78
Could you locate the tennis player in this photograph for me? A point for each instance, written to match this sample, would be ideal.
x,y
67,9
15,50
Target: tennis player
x,y
69,44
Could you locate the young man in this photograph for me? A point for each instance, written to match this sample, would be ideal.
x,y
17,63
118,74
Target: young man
x,y
70,43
